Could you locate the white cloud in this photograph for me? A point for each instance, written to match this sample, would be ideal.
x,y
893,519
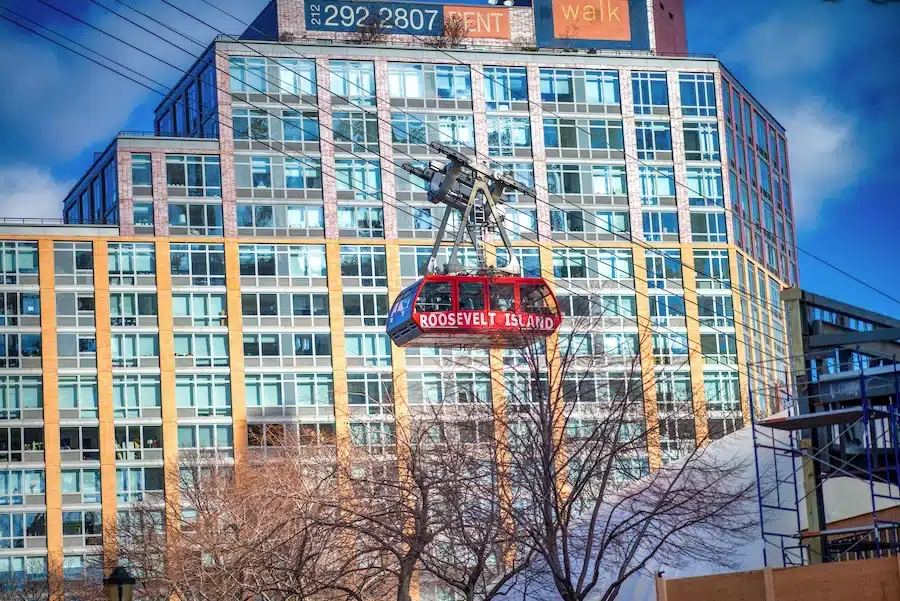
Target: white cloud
x,y
826,155
31,192
795,62
39,125
777,47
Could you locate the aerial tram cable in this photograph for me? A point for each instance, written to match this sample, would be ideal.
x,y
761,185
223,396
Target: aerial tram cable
x,y
367,160
369,111
736,369
759,300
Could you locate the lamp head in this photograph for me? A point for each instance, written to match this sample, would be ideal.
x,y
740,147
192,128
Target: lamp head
x,y
119,585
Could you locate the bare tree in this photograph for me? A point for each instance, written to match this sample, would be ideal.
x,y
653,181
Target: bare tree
x,y
546,487
456,32
429,501
258,532
580,432
372,30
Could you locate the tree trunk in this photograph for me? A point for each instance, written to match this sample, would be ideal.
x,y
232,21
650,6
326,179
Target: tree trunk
x,y
407,570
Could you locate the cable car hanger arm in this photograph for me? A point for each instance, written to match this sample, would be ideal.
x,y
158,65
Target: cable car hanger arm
x,y
475,191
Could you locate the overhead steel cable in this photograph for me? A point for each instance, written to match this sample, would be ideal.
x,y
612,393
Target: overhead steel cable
x,y
371,161
378,164
652,376
629,235
592,293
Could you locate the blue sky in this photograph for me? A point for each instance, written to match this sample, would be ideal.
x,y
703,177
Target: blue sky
x,y
826,70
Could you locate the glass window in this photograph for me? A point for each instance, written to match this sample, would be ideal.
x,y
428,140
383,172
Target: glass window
x,y
409,128
618,222
302,174
406,80
701,142
453,82
657,183
653,138
374,349
205,350
250,124
282,260
143,214
135,394
698,94
18,258
199,219
206,394
312,345
507,134
557,85
650,91
300,127
353,81
567,221
456,130
608,180
248,75
360,129
708,227
372,308
659,223
704,186
367,221
141,171
366,264
503,86
362,177
204,263
309,305
196,175
712,269
564,179
663,269
79,393
568,85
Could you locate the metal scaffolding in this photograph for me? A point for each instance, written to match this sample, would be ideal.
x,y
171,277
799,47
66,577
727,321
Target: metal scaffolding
x,y
839,430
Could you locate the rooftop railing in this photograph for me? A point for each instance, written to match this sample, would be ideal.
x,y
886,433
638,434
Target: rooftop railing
x,y
473,46
51,221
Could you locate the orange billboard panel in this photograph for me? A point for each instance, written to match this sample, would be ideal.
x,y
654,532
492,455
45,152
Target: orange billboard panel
x,y
591,20
481,22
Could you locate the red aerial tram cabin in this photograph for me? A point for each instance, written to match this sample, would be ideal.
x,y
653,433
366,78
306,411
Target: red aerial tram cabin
x,y
464,307
473,311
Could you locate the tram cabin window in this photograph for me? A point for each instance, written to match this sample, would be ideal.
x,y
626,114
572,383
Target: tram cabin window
x,y
534,299
435,296
471,296
503,297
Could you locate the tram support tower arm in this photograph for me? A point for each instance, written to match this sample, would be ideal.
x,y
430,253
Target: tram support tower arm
x,y
475,191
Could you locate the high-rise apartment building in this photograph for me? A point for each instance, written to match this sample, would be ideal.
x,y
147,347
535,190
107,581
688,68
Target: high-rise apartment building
x,y
239,287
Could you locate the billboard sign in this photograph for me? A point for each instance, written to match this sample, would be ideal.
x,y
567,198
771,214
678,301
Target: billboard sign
x,y
421,18
613,24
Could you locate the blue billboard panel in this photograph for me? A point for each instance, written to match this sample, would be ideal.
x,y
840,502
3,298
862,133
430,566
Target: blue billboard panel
x,y
395,17
613,24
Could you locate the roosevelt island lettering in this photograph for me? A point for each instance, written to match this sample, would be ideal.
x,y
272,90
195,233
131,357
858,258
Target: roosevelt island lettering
x,y
591,19
472,319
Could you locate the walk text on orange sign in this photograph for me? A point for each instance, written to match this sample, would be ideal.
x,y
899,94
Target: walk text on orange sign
x,y
591,19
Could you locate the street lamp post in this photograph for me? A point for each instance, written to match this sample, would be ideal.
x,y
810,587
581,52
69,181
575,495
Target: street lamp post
x,y
119,585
